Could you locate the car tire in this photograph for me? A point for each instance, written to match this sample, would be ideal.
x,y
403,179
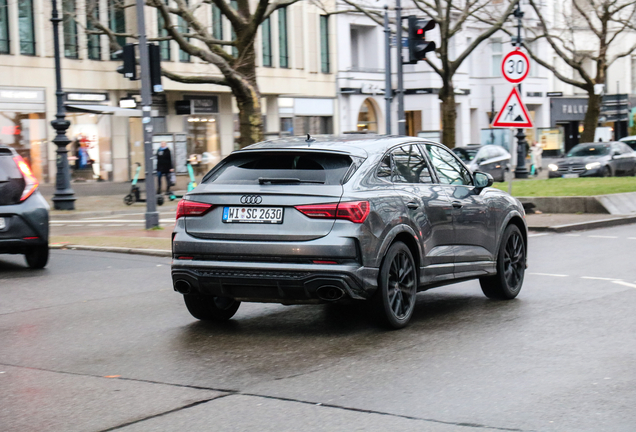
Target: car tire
x,y
129,199
37,257
394,300
211,308
511,266
606,171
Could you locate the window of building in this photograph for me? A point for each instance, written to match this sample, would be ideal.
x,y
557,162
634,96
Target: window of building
x,y
282,38
313,125
266,33
182,27
93,41
25,27
324,43
234,5
117,23
4,27
633,70
70,29
26,133
367,118
164,45
496,52
217,23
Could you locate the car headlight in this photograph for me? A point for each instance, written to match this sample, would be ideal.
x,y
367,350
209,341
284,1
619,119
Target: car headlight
x,y
592,165
553,167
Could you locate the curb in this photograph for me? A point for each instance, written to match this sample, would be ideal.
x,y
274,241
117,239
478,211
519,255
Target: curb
x,y
115,249
579,226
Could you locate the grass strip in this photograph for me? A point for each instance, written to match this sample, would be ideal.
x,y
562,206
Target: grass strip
x,y
571,187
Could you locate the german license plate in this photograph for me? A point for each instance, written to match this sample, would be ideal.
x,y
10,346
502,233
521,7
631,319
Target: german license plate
x,y
3,224
570,175
272,215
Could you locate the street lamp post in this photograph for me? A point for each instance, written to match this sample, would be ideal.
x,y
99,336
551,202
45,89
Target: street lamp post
x,y
64,198
520,171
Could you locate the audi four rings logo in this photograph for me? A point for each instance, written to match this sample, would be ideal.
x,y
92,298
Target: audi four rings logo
x,y
251,199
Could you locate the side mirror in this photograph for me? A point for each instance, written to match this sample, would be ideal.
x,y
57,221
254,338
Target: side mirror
x,y
482,180
615,154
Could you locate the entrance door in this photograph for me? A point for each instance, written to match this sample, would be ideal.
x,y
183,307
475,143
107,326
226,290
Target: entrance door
x,y
571,134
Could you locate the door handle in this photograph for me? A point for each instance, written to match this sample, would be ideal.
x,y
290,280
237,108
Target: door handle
x,y
413,205
457,204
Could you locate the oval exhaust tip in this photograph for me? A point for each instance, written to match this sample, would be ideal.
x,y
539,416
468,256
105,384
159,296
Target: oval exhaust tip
x,y
330,293
182,287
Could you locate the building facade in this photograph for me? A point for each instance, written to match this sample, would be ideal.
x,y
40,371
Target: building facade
x,y
295,72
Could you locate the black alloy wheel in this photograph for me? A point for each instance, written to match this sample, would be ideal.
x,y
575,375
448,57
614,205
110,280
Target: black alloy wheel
x,y
606,172
511,266
211,308
395,298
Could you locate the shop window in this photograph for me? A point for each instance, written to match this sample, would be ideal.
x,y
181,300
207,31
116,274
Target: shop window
x,y
4,27
286,126
266,33
25,27
70,29
413,122
117,23
90,152
324,44
203,145
26,133
367,118
93,41
313,125
282,38
217,23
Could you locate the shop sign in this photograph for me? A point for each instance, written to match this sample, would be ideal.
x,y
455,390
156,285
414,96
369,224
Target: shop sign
x,y
371,88
205,106
12,95
567,109
86,97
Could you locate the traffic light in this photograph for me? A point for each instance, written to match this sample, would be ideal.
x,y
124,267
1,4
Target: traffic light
x,y
418,45
154,55
129,68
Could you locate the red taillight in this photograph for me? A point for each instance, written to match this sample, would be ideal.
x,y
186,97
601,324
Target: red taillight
x,y
31,183
192,208
355,212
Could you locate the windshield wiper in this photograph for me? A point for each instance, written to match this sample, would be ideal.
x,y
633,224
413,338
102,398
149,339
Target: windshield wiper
x,y
273,180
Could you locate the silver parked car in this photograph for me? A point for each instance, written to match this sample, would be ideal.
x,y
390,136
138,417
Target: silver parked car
x,y
375,219
595,159
491,159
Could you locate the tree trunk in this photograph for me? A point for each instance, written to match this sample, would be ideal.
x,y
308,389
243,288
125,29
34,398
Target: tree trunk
x,y
591,116
248,98
449,115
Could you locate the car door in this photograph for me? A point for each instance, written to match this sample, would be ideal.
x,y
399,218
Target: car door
x,y
429,210
473,222
629,157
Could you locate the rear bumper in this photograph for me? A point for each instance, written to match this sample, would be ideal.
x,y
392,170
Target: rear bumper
x,y
274,282
27,225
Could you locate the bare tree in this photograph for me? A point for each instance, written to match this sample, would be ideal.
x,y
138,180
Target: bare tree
x,y
183,24
584,37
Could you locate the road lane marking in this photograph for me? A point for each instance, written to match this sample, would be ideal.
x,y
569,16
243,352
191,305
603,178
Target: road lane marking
x,y
572,235
538,235
627,284
631,238
597,236
548,274
115,225
599,278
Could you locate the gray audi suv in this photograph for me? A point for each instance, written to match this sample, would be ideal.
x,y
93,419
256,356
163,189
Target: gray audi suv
x,y
310,221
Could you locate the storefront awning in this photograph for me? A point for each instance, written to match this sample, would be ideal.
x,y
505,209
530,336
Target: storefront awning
x,y
105,109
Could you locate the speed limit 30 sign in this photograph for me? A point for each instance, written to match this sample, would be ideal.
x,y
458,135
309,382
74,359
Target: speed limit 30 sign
x,y
515,66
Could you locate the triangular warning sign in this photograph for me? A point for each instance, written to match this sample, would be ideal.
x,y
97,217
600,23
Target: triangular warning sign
x,y
513,113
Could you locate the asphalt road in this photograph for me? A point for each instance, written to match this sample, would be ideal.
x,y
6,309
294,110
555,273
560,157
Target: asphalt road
x,y
100,342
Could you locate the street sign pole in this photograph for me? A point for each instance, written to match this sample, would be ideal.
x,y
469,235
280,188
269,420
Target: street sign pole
x,y
520,171
152,216
388,88
400,77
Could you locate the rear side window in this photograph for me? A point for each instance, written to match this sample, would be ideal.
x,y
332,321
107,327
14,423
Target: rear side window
x,y
281,168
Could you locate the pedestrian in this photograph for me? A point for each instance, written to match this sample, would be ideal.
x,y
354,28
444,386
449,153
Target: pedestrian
x,y
537,151
164,166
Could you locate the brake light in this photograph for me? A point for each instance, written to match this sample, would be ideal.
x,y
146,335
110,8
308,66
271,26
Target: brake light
x,y
192,208
31,183
356,211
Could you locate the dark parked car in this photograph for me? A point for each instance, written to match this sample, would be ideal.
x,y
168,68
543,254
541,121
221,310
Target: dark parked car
x,y
24,213
595,159
491,159
297,221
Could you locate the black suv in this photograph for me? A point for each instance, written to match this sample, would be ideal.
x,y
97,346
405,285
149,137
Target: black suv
x,y
24,213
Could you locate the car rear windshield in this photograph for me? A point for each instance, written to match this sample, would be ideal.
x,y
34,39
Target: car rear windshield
x,y
11,181
590,150
281,168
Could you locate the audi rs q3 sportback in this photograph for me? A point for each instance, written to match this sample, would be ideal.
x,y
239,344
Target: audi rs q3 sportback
x,y
378,219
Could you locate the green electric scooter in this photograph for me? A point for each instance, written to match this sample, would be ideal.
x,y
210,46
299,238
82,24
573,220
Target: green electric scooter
x,y
191,184
135,193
